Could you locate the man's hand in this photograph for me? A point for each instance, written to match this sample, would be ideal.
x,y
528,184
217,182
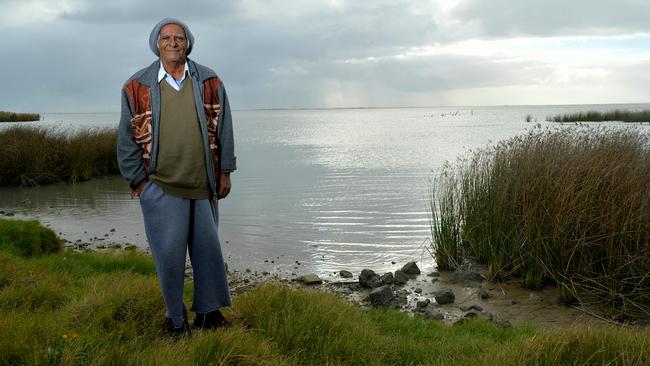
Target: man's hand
x,y
224,185
136,192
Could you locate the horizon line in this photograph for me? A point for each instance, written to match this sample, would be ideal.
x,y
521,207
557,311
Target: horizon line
x,y
383,107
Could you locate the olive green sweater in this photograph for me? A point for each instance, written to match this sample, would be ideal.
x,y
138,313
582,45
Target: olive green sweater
x,y
181,169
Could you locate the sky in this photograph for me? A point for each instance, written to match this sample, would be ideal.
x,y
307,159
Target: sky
x,y
75,55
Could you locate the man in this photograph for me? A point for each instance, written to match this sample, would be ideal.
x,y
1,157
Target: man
x,y
175,146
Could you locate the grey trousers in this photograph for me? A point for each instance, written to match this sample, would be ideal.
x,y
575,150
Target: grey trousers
x,y
175,225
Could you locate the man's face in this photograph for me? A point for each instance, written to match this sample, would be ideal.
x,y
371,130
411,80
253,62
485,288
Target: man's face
x,y
172,44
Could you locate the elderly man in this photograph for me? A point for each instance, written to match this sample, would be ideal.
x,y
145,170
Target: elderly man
x,y
175,147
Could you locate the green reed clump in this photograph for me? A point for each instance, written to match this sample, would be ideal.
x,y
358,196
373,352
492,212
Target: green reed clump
x,y
570,207
28,238
33,155
594,116
19,117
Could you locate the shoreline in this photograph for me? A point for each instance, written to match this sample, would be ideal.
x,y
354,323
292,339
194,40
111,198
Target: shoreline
x,y
504,304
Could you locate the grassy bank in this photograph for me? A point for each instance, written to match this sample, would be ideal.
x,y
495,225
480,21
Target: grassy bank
x,y
32,155
570,207
106,308
593,116
18,117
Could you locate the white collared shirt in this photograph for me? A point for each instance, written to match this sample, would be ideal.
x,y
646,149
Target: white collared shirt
x,y
162,74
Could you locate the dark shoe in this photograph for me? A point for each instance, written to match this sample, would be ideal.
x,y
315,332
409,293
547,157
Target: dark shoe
x,y
211,320
178,332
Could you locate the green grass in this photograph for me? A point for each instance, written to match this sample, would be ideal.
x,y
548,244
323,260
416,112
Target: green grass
x,y
28,238
33,155
593,116
106,308
570,207
18,117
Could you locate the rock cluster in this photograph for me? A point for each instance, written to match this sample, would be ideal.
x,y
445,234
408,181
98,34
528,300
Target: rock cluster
x,y
387,290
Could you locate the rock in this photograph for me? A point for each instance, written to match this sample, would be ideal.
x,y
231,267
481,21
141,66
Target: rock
x,y
475,314
471,308
387,278
535,298
9,214
381,296
310,279
422,304
433,313
130,247
101,246
501,322
483,294
411,268
369,279
346,274
418,290
400,299
444,296
467,278
112,230
472,314
434,274
400,278
355,287
509,302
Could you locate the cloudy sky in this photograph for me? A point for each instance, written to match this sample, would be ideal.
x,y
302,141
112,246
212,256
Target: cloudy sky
x,y
74,55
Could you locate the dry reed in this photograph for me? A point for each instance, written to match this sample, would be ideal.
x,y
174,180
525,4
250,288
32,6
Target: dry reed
x,y
593,116
18,117
33,155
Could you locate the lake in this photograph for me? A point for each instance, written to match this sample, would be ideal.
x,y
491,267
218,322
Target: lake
x,y
316,190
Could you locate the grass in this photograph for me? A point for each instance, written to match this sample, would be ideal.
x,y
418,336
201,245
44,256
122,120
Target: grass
x,y
106,308
569,207
28,238
593,116
18,117
32,155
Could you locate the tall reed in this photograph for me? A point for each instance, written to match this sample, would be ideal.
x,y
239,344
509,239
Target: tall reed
x,y
593,116
570,207
34,155
19,117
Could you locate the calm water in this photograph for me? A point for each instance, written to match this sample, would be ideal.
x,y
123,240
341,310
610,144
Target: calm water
x,y
331,189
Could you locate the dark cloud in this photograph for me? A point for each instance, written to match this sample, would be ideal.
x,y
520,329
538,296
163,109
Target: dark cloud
x,y
125,11
279,53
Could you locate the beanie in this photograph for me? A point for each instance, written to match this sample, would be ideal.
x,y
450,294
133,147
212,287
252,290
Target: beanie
x,y
153,37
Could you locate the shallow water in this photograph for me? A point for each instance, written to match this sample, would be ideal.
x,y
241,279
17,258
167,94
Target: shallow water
x,y
316,190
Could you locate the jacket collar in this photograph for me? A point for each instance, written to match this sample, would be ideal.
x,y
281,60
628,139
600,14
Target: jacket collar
x,y
198,72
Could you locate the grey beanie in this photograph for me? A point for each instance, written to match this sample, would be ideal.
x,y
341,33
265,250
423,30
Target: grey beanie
x,y
153,37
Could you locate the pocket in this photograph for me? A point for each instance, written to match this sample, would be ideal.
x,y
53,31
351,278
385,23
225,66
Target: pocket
x,y
145,189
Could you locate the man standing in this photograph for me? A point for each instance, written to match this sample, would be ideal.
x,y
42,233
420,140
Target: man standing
x,y
175,146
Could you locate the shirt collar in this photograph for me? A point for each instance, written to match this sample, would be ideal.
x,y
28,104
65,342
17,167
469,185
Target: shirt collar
x,y
163,74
